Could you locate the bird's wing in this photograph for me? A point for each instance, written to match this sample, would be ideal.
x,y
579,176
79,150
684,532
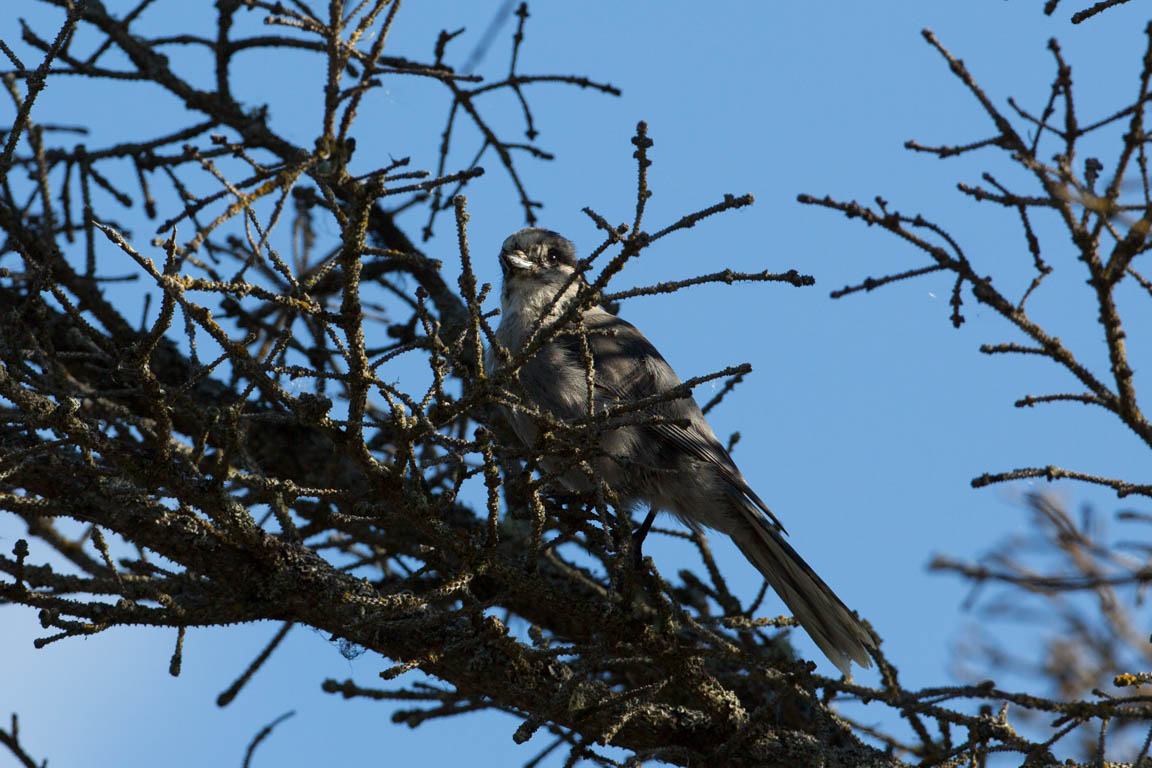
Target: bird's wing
x,y
645,373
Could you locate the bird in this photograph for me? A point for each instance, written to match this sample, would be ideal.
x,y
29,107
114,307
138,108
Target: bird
x,y
669,459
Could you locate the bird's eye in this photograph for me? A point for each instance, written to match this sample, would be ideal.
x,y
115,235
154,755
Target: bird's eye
x,y
553,255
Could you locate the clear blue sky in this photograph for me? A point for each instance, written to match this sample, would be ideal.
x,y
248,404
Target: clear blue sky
x,y
864,419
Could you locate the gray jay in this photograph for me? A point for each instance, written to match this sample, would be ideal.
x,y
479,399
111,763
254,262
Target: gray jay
x,y
683,470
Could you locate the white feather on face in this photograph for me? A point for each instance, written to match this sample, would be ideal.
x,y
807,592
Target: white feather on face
x,y
537,265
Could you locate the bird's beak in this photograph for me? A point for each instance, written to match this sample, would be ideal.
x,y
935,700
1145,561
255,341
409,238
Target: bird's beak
x,y
516,260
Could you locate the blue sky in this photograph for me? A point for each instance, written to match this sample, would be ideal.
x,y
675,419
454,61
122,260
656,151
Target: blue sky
x,y
864,418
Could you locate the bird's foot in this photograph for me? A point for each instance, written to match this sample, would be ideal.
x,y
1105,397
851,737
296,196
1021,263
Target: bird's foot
x,y
639,536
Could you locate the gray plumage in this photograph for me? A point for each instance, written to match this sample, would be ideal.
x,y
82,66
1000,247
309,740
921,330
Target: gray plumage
x,y
683,470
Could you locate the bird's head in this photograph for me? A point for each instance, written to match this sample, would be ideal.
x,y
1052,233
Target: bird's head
x,y
537,264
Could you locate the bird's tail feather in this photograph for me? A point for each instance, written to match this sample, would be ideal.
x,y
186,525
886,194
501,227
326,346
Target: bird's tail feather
x,y
835,629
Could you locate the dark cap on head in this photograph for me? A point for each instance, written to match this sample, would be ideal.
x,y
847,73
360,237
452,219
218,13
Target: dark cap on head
x,y
541,246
